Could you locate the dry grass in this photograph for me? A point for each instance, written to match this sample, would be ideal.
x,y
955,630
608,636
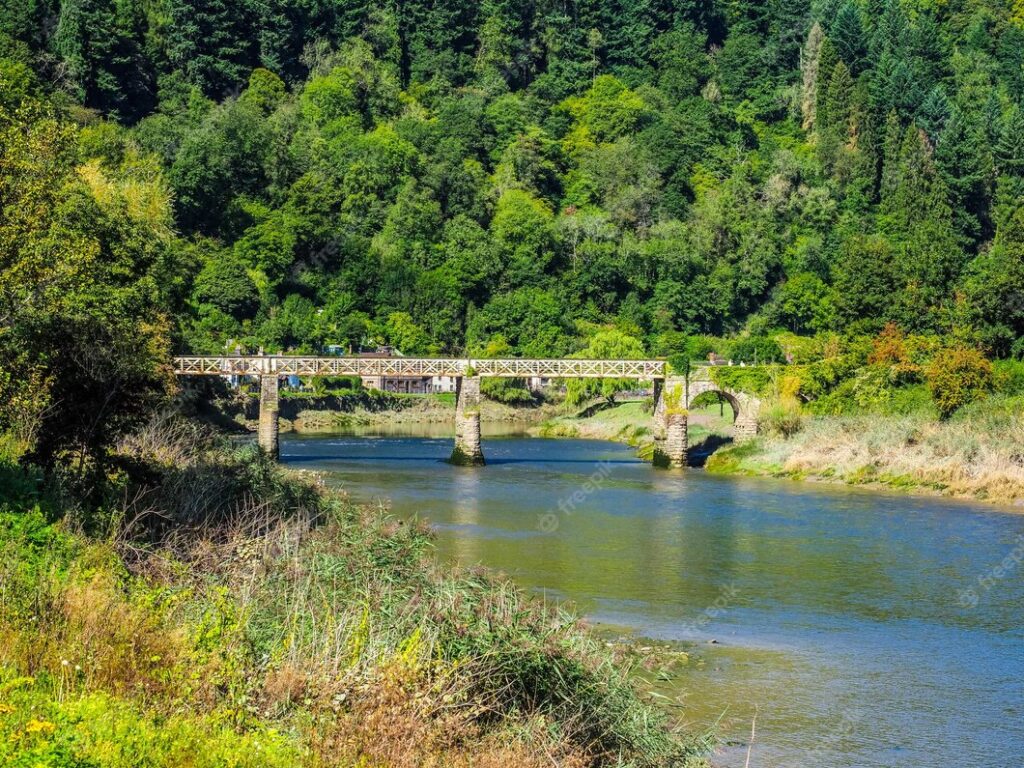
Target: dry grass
x,y
979,454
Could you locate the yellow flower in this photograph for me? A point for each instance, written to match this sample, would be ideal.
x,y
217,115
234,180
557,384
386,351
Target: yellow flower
x,y
5,709
39,726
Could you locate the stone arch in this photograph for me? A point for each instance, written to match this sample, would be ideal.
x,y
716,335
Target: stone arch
x,y
745,407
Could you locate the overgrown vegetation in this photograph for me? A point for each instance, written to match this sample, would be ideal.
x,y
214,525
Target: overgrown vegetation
x,y
525,176
228,613
976,454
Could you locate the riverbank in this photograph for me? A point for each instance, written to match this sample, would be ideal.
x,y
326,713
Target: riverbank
x,y
978,454
309,414
630,423
225,611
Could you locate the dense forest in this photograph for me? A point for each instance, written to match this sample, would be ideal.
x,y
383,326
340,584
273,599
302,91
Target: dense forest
x,y
513,177
500,178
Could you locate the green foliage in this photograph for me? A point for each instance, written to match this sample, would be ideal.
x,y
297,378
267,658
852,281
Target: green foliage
x,y
442,177
956,377
756,381
637,165
758,350
605,344
157,659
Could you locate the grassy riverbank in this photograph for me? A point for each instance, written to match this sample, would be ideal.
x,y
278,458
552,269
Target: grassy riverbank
x,y
630,423
977,454
218,611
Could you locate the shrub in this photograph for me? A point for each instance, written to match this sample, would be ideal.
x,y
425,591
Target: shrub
x,y
957,376
756,349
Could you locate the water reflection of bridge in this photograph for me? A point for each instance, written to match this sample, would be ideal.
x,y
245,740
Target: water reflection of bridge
x,y
673,394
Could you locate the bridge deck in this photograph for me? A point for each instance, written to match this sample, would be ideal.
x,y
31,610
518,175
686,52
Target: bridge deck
x,y
289,365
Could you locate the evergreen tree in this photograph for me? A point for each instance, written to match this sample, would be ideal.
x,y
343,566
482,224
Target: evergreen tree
x,y
213,43
962,161
847,35
930,51
827,60
862,189
100,42
1009,166
934,112
834,130
915,215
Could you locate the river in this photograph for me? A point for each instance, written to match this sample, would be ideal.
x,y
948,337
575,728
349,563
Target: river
x,y
861,629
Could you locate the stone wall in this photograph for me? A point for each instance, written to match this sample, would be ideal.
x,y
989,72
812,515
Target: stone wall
x,y
671,452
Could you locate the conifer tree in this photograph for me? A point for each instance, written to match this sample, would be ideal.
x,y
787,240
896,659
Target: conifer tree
x,y
1009,166
835,129
847,35
101,43
213,43
915,215
962,161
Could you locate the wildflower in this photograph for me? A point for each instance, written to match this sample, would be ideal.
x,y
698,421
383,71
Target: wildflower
x,y
39,726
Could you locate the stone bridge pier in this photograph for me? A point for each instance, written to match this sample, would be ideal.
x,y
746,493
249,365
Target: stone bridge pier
x,y
267,431
468,451
673,398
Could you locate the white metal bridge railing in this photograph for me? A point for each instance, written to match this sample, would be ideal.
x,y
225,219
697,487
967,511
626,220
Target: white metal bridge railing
x,y
411,367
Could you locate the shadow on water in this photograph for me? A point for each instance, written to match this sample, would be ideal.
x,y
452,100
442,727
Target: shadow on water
x,y
698,453
375,458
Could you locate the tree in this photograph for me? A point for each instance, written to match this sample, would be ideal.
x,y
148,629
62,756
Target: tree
x,y
834,127
866,282
224,284
994,286
916,216
101,43
605,344
956,377
81,308
531,320
213,42
1009,165
523,231
964,166
847,35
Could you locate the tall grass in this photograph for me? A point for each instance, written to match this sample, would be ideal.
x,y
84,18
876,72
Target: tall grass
x,y
979,453
238,606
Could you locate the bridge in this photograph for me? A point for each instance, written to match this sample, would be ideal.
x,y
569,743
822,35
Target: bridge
x,y
673,395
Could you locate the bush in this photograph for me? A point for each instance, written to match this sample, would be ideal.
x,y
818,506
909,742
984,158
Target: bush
x,y
1009,377
957,376
781,419
756,349
507,391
